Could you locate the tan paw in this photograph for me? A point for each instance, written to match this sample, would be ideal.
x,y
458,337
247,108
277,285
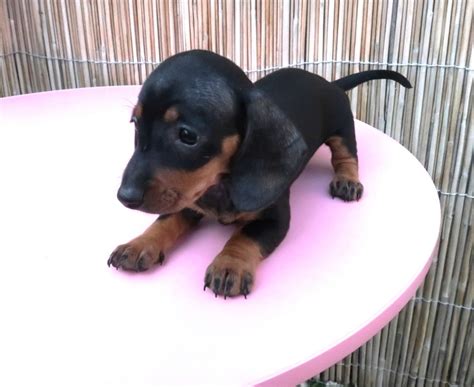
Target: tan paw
x,y
137,255
229,276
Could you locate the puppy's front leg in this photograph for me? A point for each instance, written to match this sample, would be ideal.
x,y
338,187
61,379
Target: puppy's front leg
x,y
232,272
148,249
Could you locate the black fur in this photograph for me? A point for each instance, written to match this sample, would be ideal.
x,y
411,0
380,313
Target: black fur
x,y
353,80
272,226
317,108
217,199
270,157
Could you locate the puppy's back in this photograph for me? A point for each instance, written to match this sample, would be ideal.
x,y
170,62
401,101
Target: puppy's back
x,y
317,107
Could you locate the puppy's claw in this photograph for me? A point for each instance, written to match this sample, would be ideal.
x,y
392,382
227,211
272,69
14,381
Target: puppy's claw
x,y
110,260
207,281
141,264
246,284
116,259
217,285
229,283
161,258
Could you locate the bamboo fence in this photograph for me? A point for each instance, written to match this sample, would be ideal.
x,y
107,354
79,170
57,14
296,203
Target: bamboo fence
x,y
48,44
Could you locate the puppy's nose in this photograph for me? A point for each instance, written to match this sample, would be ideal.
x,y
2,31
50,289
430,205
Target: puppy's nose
x,y
130,197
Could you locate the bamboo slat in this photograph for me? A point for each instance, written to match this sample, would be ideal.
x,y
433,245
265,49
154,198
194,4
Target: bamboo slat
x,y
56,44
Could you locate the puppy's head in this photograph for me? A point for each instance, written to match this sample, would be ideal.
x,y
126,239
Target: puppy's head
x,y
197,118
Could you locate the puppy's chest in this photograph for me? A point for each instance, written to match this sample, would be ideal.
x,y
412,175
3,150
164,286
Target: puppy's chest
x,y
217,204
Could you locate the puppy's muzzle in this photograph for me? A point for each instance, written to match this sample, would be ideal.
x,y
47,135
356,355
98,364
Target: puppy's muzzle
x,y
130,197
134,180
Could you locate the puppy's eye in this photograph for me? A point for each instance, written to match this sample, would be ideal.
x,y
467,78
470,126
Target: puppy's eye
x,y
187,136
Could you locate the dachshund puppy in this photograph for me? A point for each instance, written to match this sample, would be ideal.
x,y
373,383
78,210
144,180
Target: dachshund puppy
x,y
209,142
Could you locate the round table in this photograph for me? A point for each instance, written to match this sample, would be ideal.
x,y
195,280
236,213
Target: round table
x,y
343,272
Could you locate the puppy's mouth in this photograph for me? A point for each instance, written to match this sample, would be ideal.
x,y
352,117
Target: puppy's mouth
x,y
162,202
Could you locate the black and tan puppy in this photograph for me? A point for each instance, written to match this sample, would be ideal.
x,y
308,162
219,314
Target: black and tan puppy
x,y
209,142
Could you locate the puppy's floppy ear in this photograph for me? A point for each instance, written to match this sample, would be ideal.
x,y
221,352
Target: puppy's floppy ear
x,y
270,156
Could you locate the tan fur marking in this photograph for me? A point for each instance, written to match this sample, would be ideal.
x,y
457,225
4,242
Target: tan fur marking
x,y
247,217
166,231
243,217
191,185
232,272
229,146
137,110
227,218
344,163
171,114
243,248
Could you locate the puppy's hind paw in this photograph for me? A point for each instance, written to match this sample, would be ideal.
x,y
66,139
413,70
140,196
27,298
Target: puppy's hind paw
x,y
346,189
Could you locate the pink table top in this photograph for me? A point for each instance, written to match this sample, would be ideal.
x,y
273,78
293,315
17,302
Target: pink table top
x,y
344,270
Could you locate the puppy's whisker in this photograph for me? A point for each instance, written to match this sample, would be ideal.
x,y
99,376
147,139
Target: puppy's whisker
x,y
128,103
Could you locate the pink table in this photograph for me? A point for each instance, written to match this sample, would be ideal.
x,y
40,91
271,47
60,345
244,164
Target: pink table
x,y
67,319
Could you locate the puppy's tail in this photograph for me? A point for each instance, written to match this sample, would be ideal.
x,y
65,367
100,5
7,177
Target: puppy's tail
x,y
353,80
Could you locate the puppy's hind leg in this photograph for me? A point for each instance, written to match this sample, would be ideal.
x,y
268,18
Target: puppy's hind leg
x,y
346,184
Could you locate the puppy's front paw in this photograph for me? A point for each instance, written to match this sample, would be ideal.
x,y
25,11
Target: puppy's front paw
x,y
138,255
229,276
346,189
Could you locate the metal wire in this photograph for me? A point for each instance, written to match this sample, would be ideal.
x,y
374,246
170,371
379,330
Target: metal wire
x,y
248,71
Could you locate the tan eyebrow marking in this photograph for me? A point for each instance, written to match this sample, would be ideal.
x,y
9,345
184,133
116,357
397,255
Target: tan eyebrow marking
x,y
137,112
171,114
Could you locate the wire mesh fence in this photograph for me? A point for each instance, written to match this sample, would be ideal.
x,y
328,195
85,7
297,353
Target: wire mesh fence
x,y
48,45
